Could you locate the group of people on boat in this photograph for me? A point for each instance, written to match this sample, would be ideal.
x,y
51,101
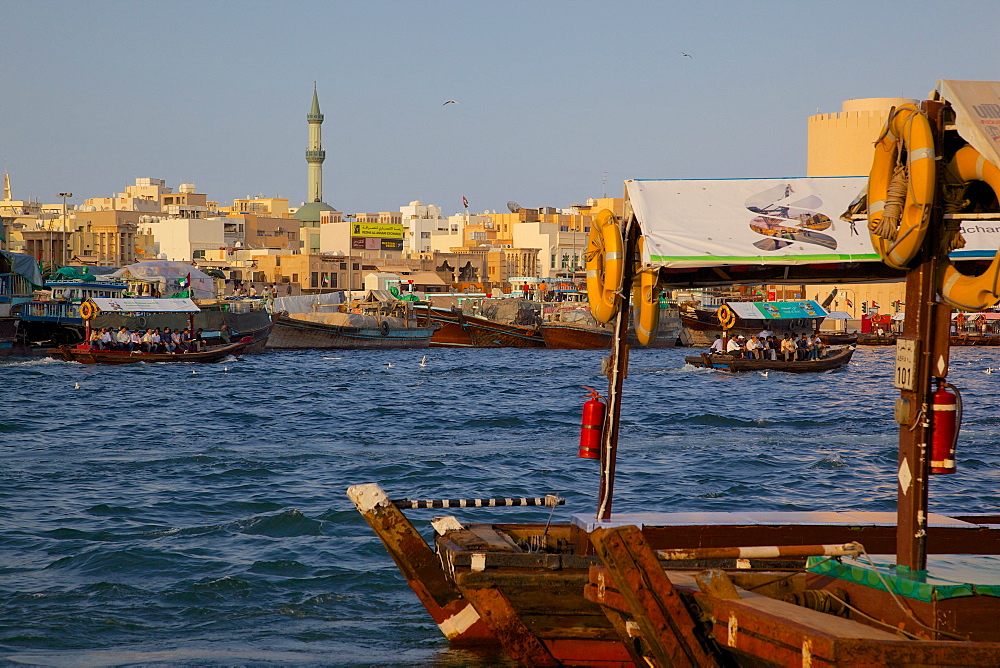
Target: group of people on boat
x,y
768,346
153,340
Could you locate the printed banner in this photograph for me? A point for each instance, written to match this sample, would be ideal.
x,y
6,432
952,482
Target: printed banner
x,y
144,305
778,310
377,230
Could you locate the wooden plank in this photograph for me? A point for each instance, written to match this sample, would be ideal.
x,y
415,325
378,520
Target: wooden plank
x,y
503,621
457,618
664,622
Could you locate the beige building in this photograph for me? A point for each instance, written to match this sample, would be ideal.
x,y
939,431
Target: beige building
x,y
94,238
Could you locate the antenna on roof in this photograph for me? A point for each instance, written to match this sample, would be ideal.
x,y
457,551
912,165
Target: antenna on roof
x,y
513,206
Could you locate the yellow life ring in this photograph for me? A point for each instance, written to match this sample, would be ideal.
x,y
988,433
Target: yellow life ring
x,y
898,208
647,303
605,266
727,318
972,293
88,311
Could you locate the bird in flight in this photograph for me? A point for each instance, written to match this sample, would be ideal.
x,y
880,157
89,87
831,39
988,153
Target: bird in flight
x,y
450,102
686,54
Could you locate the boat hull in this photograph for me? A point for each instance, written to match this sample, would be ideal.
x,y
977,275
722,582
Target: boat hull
x,y
835,360
294,334
488,334
574,337
450,333
86,355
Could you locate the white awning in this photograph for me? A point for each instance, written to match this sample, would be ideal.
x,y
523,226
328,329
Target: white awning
x,y
127,305
977,113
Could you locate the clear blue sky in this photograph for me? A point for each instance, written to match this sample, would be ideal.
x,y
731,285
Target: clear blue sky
x,y
552,95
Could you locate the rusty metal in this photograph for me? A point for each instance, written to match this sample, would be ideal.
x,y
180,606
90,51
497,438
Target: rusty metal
x,y
504,622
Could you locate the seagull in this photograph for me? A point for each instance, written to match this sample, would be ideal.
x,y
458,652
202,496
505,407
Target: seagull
x,y
688,55
763,374
193,372
225,368
76,386
450,102
988,370
390,365
423,362
332,358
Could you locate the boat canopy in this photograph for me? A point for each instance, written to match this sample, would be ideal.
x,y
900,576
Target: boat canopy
x,y
145,305
977,107
25,266
777,310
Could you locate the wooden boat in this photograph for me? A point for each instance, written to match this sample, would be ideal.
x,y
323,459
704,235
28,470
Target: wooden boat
x,y
486,333
965,339
721,589
575,336
84,354
840,338
876,340
835,359
297,334
449,333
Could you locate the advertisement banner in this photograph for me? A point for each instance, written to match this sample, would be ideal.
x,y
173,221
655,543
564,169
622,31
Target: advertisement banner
x,y
377,230
144,305
778,310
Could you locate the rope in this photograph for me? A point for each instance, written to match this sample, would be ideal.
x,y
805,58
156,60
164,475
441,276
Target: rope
x,y
888,227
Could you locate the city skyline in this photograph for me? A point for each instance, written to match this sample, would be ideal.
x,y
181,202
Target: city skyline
x,y
553,102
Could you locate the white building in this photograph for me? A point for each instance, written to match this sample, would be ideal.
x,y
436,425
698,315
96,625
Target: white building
x,y
184,239
560,250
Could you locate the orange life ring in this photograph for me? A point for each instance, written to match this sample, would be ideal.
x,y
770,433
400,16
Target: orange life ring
x,y
898,217
88,311
647,302
972,293
727,318
605,266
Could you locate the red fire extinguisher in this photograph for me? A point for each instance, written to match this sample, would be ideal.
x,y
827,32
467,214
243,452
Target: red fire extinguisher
x,y
593,425
947,409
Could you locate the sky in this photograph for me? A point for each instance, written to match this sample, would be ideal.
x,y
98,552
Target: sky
x,y
557,101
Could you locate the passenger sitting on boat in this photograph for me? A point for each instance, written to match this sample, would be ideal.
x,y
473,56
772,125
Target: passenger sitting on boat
x,y
123,339
95,339
186,340
157,341
107,341
167,340
753,347
199,340
788,348
224,333
735,347
765,333
716,348
819,347
147,341
177,341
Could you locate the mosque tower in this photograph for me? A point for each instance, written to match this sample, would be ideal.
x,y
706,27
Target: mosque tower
x,y
315,155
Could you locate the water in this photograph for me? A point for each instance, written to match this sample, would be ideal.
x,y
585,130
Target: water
x,y
162,516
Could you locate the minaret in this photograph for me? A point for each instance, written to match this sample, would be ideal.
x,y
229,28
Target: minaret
x,y
315,155
6,188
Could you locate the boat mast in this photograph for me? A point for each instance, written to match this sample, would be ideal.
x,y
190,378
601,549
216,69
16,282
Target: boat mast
x,y
617,369
921,356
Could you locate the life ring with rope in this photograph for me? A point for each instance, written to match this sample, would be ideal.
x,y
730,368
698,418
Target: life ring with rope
x,y
88,311
900,197
646,297
727,317
605,262
384,328
970,293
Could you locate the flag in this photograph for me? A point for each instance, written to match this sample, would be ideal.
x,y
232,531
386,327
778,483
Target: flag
x,y
850,304
465,202
875,304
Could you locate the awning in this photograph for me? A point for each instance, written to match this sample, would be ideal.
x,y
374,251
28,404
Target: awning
x,y
777,310
126,305
840,315
976,104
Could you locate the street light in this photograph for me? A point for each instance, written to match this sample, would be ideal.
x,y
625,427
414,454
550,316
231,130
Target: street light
x,y
64,248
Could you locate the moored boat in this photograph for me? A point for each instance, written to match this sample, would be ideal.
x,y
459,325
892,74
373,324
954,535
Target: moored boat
x,y
449,332
486,333
331,333
834,359
575,335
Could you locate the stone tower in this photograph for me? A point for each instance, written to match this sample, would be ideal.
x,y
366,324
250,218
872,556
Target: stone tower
x,y
315,155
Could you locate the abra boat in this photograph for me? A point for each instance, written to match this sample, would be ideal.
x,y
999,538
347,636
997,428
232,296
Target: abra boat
x,y
743,588
834,359
85,354
449,333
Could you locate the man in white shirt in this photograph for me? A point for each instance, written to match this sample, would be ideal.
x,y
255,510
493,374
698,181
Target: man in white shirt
x,y
733,348
716,348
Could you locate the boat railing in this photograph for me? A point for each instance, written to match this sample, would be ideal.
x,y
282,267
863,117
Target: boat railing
x,y
50,311
13,286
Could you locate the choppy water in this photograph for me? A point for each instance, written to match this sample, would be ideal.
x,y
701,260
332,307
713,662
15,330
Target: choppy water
x,y
162,516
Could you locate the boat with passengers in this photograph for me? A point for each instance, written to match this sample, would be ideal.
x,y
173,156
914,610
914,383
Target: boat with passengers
x,y
739,587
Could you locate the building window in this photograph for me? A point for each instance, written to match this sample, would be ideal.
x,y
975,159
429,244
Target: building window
x,y
198,255
295,278
315,279
277,260
553,261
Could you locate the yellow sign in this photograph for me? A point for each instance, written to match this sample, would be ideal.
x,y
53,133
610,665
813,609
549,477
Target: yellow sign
x,y
377,230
